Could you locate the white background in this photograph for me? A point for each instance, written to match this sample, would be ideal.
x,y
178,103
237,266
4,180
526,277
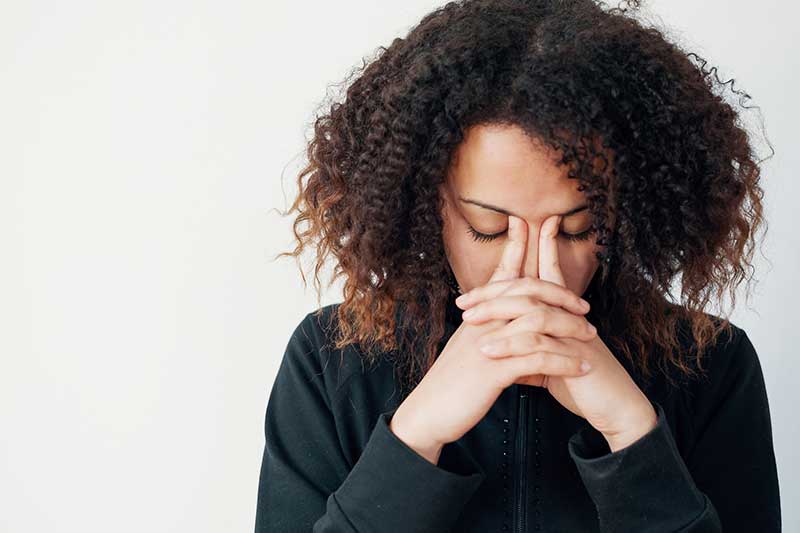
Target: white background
x,y
143,149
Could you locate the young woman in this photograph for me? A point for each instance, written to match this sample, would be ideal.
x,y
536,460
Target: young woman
x,y
561,165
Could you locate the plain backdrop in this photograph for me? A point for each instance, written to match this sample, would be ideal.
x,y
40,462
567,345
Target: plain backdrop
x,y
144,149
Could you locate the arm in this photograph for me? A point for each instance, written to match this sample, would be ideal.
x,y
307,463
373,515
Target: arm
x,y
306,482
729,478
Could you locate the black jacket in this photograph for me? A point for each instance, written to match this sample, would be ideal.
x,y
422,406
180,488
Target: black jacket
x,y
331,463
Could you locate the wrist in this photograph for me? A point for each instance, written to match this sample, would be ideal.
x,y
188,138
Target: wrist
x,y
623,439
425,447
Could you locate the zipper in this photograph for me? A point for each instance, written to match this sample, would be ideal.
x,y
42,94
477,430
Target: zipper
x,y
521,458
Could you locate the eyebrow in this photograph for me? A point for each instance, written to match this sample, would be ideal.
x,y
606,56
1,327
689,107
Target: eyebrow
x,y
506,212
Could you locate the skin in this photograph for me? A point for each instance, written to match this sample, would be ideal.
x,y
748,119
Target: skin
x,y
505,278
502,167
463,383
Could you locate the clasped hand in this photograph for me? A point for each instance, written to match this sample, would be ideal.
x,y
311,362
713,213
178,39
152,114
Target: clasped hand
x,y
606,396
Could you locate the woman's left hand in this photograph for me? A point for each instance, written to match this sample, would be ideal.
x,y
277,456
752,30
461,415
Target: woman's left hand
x,y
606,396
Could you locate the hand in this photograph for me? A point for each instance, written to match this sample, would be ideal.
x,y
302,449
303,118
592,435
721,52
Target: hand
x,y
606,396
463,383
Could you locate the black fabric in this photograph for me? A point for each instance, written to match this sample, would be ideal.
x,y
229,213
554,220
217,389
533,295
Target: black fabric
x,y
609,477
331,463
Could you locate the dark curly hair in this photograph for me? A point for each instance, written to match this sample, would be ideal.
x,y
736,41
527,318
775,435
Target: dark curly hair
x,y
677,170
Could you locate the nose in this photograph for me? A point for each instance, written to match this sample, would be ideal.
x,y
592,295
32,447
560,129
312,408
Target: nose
x,y
530,261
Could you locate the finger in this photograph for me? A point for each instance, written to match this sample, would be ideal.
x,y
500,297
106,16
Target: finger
x,y
542,362
546,291
498,347
503,307
537,330
485,292
549,267
513,251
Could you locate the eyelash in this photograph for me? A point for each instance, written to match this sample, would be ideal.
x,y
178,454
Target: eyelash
x,y
482,237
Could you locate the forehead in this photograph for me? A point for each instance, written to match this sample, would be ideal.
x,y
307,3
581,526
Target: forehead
x,y
501,165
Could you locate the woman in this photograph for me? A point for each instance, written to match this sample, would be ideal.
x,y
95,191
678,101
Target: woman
x,y
561,165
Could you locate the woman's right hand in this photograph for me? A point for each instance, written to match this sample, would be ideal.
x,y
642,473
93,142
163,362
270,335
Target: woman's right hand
x,y
463,383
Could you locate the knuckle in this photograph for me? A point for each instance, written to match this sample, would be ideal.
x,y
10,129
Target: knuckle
x,y
536,321
508,290
531,338
477,310
577,324
485,338
535,361
588,328
542,317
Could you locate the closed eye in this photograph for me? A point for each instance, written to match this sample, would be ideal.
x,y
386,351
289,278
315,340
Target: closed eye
x,y
483,237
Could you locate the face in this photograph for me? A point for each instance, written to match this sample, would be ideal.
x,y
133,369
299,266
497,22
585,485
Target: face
x,y
499,170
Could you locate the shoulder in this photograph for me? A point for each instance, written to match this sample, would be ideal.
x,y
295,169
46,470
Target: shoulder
x,y
730,356
731,378
312,349
728,353
314,331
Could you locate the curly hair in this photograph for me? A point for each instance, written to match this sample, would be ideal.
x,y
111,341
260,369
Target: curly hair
x,y
590,81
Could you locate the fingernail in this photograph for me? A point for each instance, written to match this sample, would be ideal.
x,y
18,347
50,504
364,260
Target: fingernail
x,y
585,366
468,313
592,329
584,304
461,300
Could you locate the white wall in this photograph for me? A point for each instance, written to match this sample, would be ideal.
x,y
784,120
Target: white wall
x,y
143,146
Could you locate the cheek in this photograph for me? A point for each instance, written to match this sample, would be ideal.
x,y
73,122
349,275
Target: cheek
x,y
578,263
577,254
472,261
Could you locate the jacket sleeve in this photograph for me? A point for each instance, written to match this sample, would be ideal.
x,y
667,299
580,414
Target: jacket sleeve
x,y
728,481
306,483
